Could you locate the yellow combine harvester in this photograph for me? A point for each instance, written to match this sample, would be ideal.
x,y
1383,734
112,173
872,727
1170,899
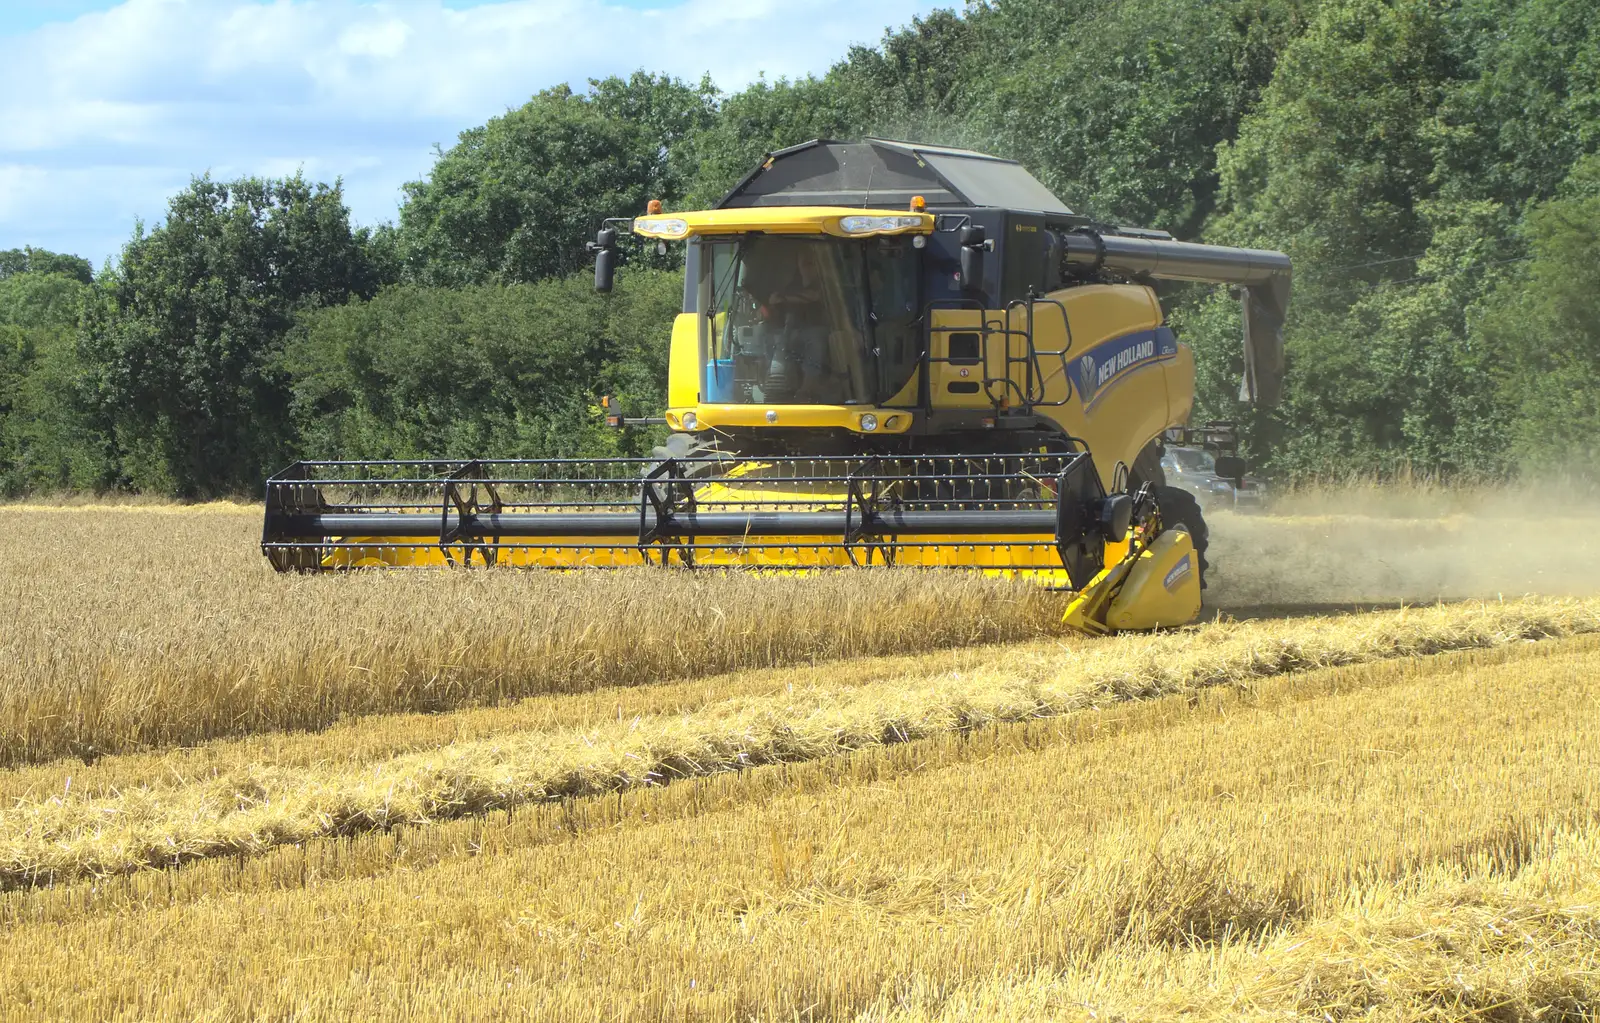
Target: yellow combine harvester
x,y
889,354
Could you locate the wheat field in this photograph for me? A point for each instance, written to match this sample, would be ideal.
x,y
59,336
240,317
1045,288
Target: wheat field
x,y
142,627
887,797
1220,856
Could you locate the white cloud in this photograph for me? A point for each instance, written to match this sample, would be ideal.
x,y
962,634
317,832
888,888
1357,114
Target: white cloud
x,y
89,210
383,40
158,89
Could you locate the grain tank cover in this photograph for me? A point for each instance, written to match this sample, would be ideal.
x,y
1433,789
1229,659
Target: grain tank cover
x,y
884,174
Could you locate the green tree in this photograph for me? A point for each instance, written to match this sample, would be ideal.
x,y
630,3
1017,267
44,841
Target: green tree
x,y
1333,161
517,199
185,352
917,83
484,371
41,299
1120,107
1528,102
763,118
1544,327
1394,154
672,114
1397,378
45,441
29,260
1336,164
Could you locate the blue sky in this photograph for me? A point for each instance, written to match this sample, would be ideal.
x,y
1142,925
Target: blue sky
x,y
21,15
111,107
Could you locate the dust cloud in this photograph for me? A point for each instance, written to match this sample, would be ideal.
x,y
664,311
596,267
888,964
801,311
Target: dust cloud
x,y
1372,548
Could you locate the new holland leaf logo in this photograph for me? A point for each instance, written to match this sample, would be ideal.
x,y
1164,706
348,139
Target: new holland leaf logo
x,y
1086,369
1178,574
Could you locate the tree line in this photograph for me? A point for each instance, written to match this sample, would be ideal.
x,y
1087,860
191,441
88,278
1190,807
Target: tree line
x,y
1431,165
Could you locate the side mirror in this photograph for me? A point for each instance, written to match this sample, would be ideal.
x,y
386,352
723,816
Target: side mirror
x,y
972,245
604,248
1230,467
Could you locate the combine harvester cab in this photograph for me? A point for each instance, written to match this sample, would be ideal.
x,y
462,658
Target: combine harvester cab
x,y
889,354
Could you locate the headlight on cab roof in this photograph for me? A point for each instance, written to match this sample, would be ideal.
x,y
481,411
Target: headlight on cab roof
x,y
661,227
877,225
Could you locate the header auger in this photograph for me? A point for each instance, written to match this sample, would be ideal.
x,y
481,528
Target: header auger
x,y
889,354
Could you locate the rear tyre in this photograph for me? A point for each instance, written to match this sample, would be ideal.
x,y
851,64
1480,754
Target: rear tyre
x,y
1179,508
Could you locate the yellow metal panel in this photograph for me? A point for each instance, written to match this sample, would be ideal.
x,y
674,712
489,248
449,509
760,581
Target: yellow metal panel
x,y
906,397
784,220
958,386
1137,405
1163,587
1100,311
1159,587
1030,558
846,417
683,362
1096,313
1122,419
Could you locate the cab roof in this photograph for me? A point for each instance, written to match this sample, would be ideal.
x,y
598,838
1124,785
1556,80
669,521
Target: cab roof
x,y
886,174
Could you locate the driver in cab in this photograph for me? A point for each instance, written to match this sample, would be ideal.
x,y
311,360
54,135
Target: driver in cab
x,y
796,328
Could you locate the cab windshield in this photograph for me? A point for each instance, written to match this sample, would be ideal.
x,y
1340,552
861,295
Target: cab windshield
x,y
807,321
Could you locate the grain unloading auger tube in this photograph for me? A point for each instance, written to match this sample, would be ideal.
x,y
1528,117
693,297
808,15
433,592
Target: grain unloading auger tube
x,y
1043,518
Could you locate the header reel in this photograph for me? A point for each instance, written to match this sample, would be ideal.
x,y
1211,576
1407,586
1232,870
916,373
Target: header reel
x,y
1037,516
